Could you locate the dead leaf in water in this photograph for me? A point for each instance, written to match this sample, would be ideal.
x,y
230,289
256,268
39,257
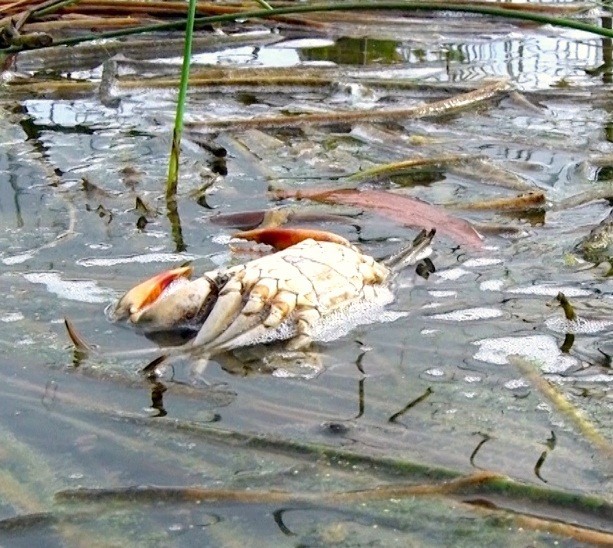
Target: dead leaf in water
x,y
403,209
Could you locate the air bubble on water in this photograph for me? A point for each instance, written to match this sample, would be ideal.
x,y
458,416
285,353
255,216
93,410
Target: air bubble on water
x,y
82,291
442,294
580,325
452,273
595,379
141,259
514,384
471,379
469,314
491,285
542,349
334,325
482,261
547,290
11,317
17,259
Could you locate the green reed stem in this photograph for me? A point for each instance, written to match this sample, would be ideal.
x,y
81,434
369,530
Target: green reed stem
x,y
264,4
175,148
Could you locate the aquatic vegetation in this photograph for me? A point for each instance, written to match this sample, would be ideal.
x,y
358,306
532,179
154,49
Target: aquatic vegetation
x,y
478,416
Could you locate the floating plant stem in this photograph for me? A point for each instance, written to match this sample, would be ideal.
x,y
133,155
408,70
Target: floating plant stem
x,y
475,484
350,6
173,167
264,4
522,202
569,310
396,168
435,108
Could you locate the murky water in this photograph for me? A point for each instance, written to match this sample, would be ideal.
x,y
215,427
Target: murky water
x,y
439,387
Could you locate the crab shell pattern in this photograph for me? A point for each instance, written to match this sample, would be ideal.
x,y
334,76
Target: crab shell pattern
x,y
275,297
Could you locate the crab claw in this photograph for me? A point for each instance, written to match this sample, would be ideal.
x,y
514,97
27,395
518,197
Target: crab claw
x,y
282,238
146,293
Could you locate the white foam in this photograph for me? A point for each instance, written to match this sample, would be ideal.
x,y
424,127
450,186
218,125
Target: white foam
x,y
145,258
441,294
580,325
469,314
514,384
549,290
82,291
17,259
541,348
11,317
334,325
452,273
491,285
472,378
482,261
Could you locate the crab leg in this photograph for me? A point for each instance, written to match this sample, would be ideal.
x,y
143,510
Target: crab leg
x,y
225,311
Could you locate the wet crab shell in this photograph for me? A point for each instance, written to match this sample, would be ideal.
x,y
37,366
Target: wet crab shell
x,y
286,295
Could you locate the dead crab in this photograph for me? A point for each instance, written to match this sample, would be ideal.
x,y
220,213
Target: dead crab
x,y
289,295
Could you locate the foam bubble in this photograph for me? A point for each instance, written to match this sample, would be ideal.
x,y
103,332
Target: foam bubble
x,y
541,348
514,384
334,325
549,290
453,273
482,261
17,259
82,291
143,259
491,285
441,294
11,317
469,314
580,325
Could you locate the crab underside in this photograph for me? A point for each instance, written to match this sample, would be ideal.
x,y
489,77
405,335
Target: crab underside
x,y
316,287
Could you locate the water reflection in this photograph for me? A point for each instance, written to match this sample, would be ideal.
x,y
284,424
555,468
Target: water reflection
x,y
279,411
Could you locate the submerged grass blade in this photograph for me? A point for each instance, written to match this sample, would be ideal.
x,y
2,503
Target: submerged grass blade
x,y
395,168
563,405
475,484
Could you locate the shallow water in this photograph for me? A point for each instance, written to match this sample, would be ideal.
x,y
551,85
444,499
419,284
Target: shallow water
x,y
436,388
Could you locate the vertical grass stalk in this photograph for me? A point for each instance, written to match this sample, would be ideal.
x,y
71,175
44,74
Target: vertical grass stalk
x,y
173,165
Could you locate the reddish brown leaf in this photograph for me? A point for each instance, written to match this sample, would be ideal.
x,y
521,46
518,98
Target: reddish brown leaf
x,y
403,209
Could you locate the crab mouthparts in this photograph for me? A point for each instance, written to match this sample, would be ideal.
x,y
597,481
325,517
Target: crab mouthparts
x,y
149,291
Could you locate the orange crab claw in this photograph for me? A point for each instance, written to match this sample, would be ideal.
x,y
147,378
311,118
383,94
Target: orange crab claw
x,y
281,238
147,292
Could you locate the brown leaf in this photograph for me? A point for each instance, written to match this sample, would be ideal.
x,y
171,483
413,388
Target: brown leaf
x,y
403,209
